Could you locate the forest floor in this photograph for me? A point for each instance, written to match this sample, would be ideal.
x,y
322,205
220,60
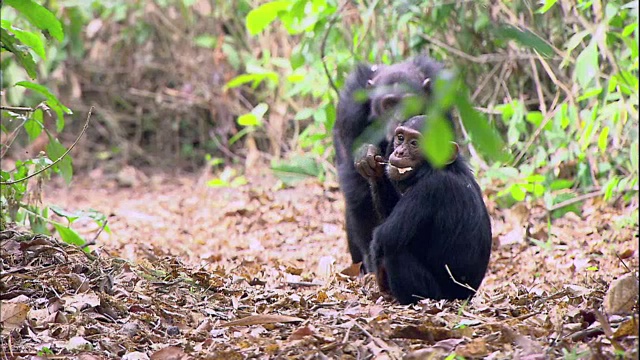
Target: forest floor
x,y
259,271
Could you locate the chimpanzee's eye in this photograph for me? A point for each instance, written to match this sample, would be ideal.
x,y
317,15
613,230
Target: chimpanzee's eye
x,y
400,137
414,142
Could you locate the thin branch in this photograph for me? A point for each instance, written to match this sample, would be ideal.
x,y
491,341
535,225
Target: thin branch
x,y
18,108
223,148
467,286
480,59
324,45
84,128
95,238
575,200
536,78
535,135
11,138
587,196
376,340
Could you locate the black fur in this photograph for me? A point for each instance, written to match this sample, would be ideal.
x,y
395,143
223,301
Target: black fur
x,y
440,220
353,118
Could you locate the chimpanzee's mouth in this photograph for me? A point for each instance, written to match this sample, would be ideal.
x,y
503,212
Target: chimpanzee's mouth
x,y
402,170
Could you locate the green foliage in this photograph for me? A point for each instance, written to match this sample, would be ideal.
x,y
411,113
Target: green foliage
x,y
38,16
525,38
296,169
228,178
52,101
314,23
13,200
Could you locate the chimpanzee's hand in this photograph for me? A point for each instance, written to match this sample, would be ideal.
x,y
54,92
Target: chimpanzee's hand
x,y
371,164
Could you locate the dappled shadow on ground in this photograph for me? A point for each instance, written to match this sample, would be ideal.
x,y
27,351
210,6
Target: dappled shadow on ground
x,y
256,271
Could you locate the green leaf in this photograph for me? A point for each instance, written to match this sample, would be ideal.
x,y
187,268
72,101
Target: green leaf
x,y
52,102
603,139
484,137
546,5
32,40
561,184
206,41
254,118
39,16
535,117
51,99
304,114
436,142
69,235
589,93
259,18
241,79
248,119
587,66
449,90
629,29
21,52
33,126
296,60
610,187
576,39
70,216
296,169
255,78
218,183
517,192
55,151
525,38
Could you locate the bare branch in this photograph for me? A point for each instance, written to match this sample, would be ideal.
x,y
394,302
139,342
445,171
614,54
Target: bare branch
x,y
84,128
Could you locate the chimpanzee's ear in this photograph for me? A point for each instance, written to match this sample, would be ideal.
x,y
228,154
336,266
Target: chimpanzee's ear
x,y
426,85
456,151
373,69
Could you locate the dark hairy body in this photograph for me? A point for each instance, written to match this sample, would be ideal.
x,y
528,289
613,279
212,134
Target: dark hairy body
x,y
387,86
438,231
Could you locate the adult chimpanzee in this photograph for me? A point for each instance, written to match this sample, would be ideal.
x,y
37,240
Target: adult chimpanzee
x,y
386,86
438,235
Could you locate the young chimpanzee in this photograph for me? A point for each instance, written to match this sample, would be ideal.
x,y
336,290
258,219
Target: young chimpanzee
x,y
386,86
437,232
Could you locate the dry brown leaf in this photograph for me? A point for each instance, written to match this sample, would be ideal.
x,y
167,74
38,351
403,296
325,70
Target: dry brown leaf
x,y
428,333
78,343
628,328
448,345
322,296
353,270
515,236
262,319
80,301
424,354
622,295
294,270
474,349
169,353
89,357
626,254
13,315
529,347
301,332
135,355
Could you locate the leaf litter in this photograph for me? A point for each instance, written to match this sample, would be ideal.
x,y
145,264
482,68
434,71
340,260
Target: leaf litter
x,y
263,272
